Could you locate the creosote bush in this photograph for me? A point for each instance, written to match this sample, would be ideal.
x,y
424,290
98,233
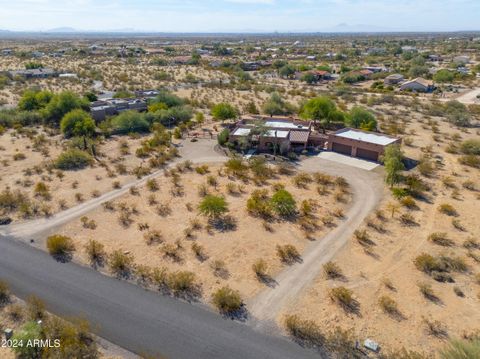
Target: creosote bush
x,y
59,246
227,300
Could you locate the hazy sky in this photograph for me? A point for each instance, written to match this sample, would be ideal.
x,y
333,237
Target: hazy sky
x,y
239,15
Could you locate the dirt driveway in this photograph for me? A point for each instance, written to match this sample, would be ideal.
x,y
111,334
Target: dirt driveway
x,y
367,189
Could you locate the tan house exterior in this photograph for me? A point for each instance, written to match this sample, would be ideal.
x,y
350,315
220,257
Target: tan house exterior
x,y
361,144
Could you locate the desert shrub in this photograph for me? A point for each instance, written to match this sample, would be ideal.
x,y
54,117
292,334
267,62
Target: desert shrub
x,y
302,179
19,156
363,238
172,251
441,239
344,297
407,219
236,167
260,268
231,188
153,237
182,283
427,291
199,252
471,243
288,253
428,263
458,291
212,181
470,160
219,268
121,264
4,293
213,206
73,159
408,202
283,203
461,349
35,308
152,185
95,252
305,331
447,209
13,200
260,169
435,328
388,305
259,204
203,169
470,147
59,246
227,300
332,270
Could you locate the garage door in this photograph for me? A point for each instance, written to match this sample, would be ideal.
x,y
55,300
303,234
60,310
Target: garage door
x,y
367,154
338,147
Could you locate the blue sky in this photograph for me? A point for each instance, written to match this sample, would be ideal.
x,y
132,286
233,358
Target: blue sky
x,y
241,15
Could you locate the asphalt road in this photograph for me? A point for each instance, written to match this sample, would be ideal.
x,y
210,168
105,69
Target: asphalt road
x,y
142,321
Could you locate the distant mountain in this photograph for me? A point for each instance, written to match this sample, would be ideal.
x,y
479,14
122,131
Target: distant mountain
x,y
62,29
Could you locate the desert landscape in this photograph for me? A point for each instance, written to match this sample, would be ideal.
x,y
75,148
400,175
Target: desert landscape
x,y
319,188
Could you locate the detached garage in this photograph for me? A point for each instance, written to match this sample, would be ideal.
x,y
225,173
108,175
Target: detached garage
x,y
362,144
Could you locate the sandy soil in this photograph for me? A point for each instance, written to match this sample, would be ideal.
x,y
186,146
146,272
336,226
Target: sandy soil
x,y
392,255
239,249
63,186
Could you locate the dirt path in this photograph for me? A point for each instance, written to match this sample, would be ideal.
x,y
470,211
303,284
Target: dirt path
x,y
367,190
198,152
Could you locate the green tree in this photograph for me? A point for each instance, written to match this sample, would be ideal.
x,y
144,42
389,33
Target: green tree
x,y
393,163
444,75
275,105
213,206
61,104
320,109
32,100
360,117
130,121
224,111
78,123
286,71
309,78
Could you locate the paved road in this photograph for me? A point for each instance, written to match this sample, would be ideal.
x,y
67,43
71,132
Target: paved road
x,y
141,321
367,190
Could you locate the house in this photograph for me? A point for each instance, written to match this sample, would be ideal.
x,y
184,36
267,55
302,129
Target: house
x,y
146,93
393,79
7,52
418,85
280,134
361,144
33,73
100,110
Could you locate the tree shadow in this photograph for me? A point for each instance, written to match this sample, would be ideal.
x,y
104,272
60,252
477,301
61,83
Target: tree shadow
x,y
63,257
240,315
268,280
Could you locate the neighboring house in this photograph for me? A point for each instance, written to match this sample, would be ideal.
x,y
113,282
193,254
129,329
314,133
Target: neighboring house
x,y
376,69
7,52
435,58
100,110
33,73
146,93
358,143
418,85
461,59
393,79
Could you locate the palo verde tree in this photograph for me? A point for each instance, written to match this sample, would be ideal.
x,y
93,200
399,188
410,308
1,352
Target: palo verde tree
x,y
393,162
321,109
78,123
224,111
360,117
213,206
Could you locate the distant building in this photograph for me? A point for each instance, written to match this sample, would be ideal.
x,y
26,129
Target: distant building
x,y
461,59
393,79
33,73
418,85
7,52
100,110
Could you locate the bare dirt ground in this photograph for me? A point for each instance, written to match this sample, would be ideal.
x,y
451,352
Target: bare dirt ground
x,y
237,249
